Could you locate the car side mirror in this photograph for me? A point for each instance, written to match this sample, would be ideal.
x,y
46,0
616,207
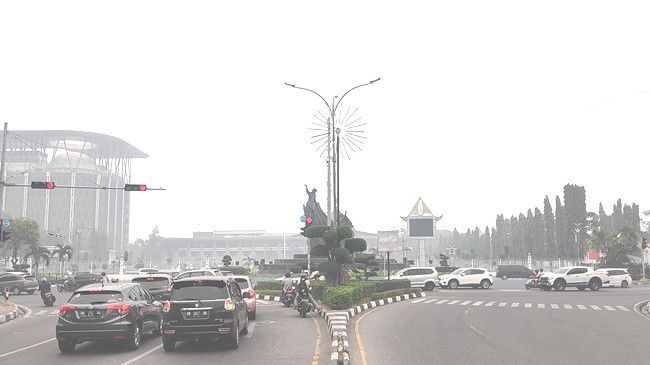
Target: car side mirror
x,y
246,295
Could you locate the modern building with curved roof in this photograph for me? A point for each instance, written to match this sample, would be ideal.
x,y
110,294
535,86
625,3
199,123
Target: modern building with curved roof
x,y
93,220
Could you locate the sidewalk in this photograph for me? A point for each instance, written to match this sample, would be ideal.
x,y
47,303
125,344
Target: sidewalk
x,y
8,311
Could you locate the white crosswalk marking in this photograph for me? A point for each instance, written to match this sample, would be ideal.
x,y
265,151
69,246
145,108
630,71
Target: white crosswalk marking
x,y
528,305
581,307
418,301
541,306
41,312
515,305
56,311
622,308
466,302
595,307
568,306
554,306
443,301
454,302
490,304
609,308
502,304
431,301
477,304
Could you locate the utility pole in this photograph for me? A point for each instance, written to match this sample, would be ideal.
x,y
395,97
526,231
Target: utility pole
x,y
2,170
388,263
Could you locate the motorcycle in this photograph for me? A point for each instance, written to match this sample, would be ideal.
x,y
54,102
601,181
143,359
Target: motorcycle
x,y
289,297
48,299
304,306
532,284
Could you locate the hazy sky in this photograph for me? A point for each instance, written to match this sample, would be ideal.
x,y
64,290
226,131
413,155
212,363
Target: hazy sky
x,y
484,107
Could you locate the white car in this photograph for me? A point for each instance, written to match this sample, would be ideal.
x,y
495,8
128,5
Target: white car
x,y
199,272
472,277
420,277
580,277
617,277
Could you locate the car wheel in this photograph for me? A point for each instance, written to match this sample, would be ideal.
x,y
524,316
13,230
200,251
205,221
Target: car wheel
x,y
169,344
15,291
30,292
504,277
581,287
158,330
234,339
135,338
429,286
594,285
67,347
485,284
453,284
253,315
624,284
559,285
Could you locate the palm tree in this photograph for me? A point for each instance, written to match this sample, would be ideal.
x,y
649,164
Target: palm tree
x,y
38,253
64,253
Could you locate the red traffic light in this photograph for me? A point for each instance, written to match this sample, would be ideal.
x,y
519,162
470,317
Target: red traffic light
x,y
49,185
309,220
135,187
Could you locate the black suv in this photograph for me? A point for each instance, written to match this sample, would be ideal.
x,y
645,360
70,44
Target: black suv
x,y
158,285
80,280
204,307
118,312
513,271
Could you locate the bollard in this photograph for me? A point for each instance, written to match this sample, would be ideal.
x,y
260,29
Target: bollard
x,y
6,293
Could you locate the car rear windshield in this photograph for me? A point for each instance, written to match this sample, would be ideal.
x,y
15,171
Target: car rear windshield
x,y
561,270
243,283
199,290
152,283
98,297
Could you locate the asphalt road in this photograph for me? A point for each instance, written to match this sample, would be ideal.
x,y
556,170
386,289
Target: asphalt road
x,y
278,336
506,325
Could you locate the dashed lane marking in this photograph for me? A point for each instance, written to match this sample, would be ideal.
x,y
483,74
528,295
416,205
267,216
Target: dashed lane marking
x,y
418,301
490,304
466,302
541,306
477,304
454,302
443,301
581,307
41,312
27,348
528,305
515,305
431,301
144,354
555,306
609,308
622,308
568,306
502,304
56,311
595,307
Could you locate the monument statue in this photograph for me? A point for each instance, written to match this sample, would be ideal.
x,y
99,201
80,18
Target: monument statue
x,y
312,209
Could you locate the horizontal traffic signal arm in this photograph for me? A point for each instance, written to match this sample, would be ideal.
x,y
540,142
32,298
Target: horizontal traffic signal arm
x,y
50,185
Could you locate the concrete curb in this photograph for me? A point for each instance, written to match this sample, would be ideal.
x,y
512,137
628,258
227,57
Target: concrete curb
x,y
337,322
10,316
267,298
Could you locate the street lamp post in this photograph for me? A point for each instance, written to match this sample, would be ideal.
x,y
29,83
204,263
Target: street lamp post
x,y
330,138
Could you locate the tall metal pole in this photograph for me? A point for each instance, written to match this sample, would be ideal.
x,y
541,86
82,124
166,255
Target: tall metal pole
x,y
338,180
333,220
2,170
330,122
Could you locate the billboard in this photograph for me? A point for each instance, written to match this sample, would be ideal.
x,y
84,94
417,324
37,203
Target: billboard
x,y
421,227
387,241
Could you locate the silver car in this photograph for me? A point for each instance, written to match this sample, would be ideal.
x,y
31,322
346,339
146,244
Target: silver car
x,y
420,277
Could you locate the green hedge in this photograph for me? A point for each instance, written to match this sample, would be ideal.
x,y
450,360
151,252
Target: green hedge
x,y
318,288
269,285
354,292
273,293
386,285
394,293
442,270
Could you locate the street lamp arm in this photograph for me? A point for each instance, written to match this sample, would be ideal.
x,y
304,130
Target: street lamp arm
x,y
311,91
356,87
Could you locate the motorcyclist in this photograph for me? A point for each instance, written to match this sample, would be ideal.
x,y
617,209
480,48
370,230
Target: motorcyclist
x,y
303,291
44,287
287,283
104,279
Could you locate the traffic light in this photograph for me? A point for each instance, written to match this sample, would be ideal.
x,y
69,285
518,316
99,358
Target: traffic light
x,y
308,222
5,234
644,243
135,187
49,185
126,256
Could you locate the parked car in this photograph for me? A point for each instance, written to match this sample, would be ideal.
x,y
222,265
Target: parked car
x,y
205,307
158,285
472,277
420,277
617,277
118,312
251,302
199,272
81,279
580,277
18,283
513,271
171,273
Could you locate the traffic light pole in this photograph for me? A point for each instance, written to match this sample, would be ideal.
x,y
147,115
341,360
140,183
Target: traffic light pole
x,y
2,170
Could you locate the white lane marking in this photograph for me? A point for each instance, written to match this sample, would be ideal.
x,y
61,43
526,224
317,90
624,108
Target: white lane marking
x,y
431,301
477,304
528,305
568,306
466,302
595,307
56,311
609,308
477,331
622,308
515,305
262,301
418,301
454,302
41,312
502,304
554,306
490,304
541,306
27,311
443,301
251,328
581,307
28,347
142,355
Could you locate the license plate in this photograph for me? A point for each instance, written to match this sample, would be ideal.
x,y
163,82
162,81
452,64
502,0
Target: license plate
x,y
89,314
197,314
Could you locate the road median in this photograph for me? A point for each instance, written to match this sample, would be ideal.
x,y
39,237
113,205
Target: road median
x,y
8,312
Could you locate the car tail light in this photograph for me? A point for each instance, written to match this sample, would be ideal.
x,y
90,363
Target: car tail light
x,y
66,308
251,293
169,288
167,306
229,305
25,282
121,308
